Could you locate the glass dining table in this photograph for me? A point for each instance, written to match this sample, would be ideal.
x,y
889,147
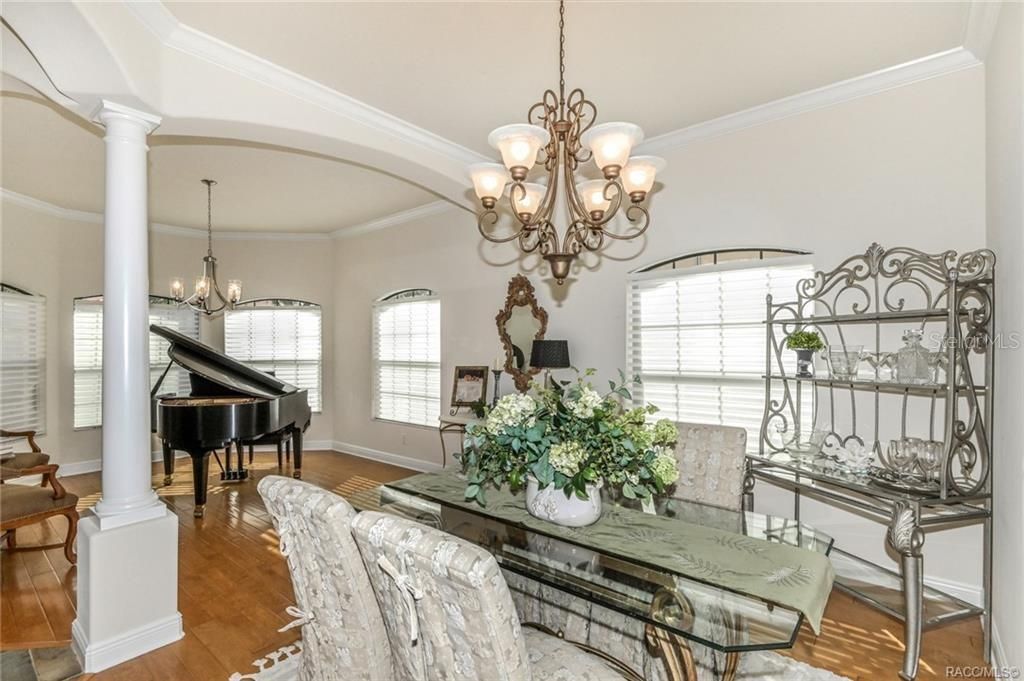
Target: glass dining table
x,y
675,610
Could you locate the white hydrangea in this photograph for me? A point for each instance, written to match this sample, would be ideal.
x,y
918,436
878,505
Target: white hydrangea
x,y
584,405
567,457
511,411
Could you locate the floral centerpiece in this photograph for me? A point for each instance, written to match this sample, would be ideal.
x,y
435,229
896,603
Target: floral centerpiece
x,y
564,442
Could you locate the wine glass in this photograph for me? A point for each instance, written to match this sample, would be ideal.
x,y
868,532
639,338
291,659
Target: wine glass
x,y
930,459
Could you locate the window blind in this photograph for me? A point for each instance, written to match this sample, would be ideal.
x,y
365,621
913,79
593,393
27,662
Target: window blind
x,y
22,363
284,339
88,354
697,340
407,360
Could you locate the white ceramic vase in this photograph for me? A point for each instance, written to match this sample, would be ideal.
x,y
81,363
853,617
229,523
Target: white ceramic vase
x,y
552,505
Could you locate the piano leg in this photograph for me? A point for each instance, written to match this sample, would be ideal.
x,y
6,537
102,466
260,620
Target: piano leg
x,y
168,463
200,473
288,450
280,453
250,453
243,472
297,436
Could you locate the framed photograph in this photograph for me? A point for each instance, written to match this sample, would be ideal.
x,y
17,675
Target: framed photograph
x,y
470,388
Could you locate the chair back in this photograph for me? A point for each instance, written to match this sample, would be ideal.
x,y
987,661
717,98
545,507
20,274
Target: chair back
x,y
711,460
447,609
342,629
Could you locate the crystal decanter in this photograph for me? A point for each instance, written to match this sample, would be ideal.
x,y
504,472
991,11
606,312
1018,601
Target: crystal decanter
x,y
913,361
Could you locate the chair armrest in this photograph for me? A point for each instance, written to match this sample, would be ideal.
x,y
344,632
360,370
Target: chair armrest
x,y
30,435
49,473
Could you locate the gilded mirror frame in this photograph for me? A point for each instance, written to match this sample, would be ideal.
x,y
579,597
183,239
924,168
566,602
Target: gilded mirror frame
x,y
520,294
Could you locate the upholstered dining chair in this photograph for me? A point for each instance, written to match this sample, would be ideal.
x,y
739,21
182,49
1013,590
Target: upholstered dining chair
x,y
22,505
449,615
343,637
711,463
16,465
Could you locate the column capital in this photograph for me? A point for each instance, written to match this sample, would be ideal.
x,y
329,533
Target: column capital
x,y
107,110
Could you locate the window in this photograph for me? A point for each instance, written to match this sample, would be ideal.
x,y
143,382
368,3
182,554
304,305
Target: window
x,y
696,334
22,361
279,336
88,359
407,357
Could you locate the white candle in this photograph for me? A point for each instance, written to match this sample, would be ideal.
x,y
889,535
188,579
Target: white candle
x,y
499,360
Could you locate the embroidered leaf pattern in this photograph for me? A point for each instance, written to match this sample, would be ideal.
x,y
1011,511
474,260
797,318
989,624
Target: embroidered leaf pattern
x,y
739,543
788,576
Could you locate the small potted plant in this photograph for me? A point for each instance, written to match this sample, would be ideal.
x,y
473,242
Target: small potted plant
x,y
806,343
563,443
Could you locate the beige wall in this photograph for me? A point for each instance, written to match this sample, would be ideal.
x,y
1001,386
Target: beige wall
x,y
1005,178
904,167
63,259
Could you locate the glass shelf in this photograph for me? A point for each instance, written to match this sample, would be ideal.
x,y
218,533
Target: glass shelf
x,y
883,589
867,317
876,386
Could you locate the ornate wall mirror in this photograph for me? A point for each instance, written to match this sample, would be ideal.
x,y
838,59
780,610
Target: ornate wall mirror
x,y
520,322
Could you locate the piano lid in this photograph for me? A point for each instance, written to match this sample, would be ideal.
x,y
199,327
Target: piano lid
x,y
212,365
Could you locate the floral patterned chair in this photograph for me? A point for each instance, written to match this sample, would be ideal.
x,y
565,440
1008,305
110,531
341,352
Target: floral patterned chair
x,y
343,637
449,615
711,460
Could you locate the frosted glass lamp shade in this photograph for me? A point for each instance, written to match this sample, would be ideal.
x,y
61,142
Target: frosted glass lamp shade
x,y
528,204
234,290
592,193
610,143
519,145
489,180
202,287
638,175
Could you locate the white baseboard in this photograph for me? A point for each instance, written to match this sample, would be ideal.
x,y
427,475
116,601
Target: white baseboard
x,y
965,592
97,656
998,660
385,457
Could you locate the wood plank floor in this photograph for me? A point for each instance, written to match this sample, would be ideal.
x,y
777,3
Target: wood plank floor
x,y
234,586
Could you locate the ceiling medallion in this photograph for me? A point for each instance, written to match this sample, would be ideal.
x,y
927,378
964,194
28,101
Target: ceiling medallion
x,y
560,135
207,297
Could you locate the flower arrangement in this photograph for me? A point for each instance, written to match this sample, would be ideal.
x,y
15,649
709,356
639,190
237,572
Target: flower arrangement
x,y
571,436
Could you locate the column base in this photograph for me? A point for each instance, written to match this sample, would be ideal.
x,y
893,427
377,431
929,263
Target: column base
x,y
127,590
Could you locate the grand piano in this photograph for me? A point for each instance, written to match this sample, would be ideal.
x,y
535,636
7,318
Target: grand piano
x,y
230,402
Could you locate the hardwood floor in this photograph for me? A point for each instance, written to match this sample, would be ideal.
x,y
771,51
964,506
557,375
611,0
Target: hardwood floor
x,y
234,586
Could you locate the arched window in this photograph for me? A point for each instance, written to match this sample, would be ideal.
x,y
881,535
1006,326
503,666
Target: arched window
x,y
407,357
87,320
281,336
696,333
22,361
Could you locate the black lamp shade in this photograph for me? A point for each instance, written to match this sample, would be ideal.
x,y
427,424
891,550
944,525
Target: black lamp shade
x,y
550,354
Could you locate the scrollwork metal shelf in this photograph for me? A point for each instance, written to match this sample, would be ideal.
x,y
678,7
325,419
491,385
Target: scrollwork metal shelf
x,y
861,303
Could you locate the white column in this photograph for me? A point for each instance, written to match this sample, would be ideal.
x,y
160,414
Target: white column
x,y
128,544
128,494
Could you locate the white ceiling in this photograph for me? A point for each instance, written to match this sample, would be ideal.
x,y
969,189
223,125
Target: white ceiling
x,y
460,69
53,156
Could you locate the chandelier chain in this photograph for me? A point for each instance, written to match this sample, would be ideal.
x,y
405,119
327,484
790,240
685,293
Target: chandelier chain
x,y
561,53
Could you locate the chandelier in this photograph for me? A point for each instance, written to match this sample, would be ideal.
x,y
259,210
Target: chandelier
x,y
207,297
560,135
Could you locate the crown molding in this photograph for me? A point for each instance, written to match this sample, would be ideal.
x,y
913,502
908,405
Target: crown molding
x,y
172,33
938,64
70,214
982,17
394,219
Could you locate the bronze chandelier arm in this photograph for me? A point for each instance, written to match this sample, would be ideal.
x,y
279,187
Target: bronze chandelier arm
x,y
629,215
493,215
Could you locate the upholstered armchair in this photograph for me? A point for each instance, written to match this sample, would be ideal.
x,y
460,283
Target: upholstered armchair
x,y
343,636
22,505
15,466
449,615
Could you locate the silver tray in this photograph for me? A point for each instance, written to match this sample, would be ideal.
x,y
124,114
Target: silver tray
x,y
902,483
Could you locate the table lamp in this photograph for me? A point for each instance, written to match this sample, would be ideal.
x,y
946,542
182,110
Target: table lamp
x,y
548,355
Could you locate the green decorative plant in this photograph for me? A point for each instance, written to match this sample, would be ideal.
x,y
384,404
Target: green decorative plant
x,y
805,340
569,436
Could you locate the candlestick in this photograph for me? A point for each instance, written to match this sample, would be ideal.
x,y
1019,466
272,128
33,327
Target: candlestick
x,y
497,383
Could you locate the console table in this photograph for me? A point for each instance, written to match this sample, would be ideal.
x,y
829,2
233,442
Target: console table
x,y
453,424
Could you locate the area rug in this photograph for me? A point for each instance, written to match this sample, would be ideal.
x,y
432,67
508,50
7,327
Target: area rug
x,y
283,665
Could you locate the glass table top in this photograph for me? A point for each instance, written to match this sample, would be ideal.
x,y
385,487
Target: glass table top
x,y
703,613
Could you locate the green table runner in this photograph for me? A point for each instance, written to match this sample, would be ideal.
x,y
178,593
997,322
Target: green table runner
x,y
789,576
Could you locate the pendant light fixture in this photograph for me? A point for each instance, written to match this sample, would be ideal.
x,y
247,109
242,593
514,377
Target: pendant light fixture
x,y
207,297
561,136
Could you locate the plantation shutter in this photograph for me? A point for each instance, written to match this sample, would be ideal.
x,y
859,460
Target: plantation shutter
x,y
282,338
696,337
407,360
22,364
88,354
